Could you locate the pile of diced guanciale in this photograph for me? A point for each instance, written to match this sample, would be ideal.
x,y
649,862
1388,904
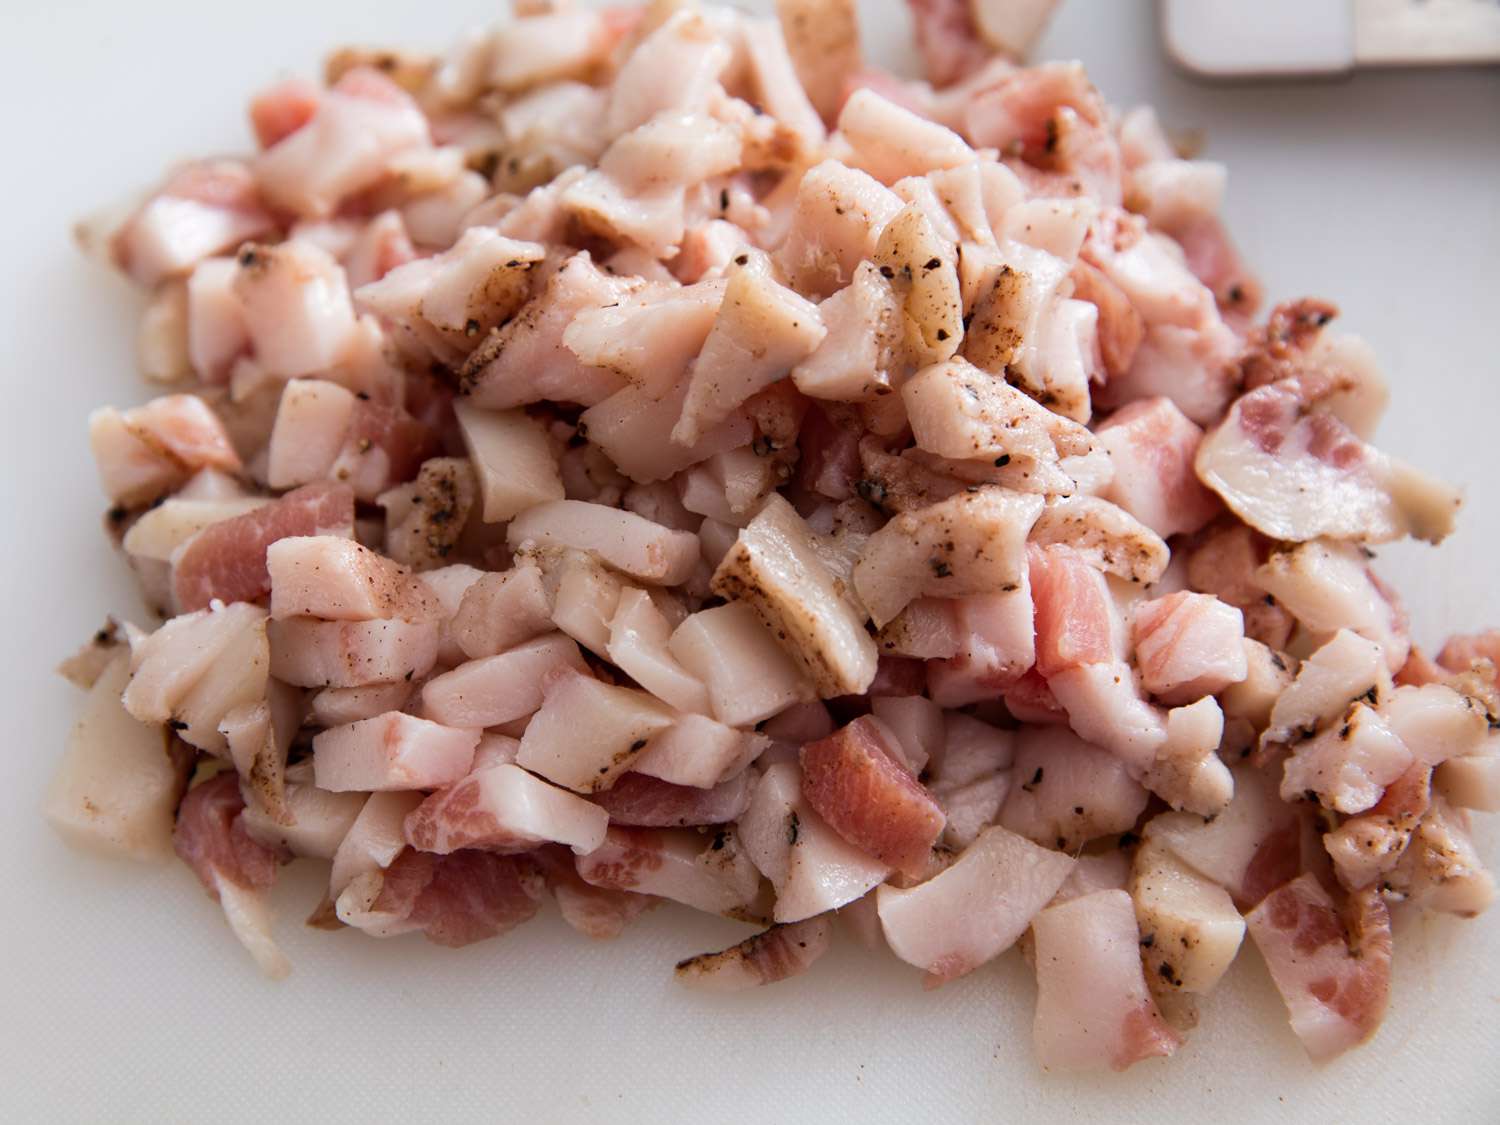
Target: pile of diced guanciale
x,y
646,456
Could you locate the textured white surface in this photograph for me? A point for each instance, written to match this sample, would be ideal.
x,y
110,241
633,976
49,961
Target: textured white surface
x,y
125,998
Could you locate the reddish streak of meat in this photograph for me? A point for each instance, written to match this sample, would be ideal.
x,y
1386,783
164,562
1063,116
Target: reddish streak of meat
x,y
407,441
595,912
1331,442
648,802
1214,260
1462,650
1278,350
1074,611
1145,1035
1420,669
227,560
461,898
1275,862
1120,326
210,837
857,784
454,818
1030,700
829,444
279,112
898,675
640,849
949,41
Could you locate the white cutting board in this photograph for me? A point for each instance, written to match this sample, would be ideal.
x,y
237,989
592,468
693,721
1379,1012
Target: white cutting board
x,y
125,999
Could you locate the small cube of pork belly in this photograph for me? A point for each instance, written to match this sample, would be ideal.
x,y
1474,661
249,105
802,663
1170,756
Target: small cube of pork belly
x,y
335,706
856,781
1329,586
215,319
1249,849
889,142
588,733
498,689
1077,621
835,226
503,808
650,337
923,270
635,430
1224,565
392,751
675,67
775,955
347,144
426,517
1188,773
970,543
972,807
1190,930
117,786
811,867
1268,673
1296,472
1441,869
161,342
227,560
1108,871
822,37
707,872
525,361
1107,536
211,838
151,449
917,725
749,676
453,900
376,837
313,653
595,912
340,580
998,645
1188,645
1333,971
639,634
763,329
295,301
974,910
203,209
513,459
1435,722
1344,669
160,530
1105,706
585,594
502,610
449,584
1152,444
775,82
775,567
1366,848
970,749
640,801
167,666
315,823
259,735
312,421
698,751
640,548
960,412
927,629
1462,650
1121,327
547,45
1065,792
1093,1008
1472,781
856,360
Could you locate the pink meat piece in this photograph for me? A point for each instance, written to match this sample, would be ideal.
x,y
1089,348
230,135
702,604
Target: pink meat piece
x,y
1332,967
203,209
383,446
462,898
227,560
339,580
1215,260
147,450
1152,444
1224,565
1461,650
280,110
392,751
855,781
1076,620
648,802
829,443
998,647
596,912
1188,645
210,837
502,808
1120,327
948,40
1030,700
